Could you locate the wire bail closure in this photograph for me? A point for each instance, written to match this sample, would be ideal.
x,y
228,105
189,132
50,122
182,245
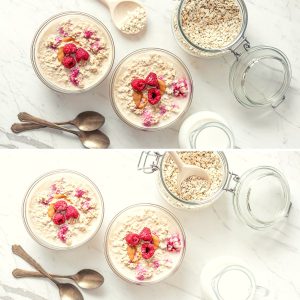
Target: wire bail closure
x,y
149,162
234,177
246,46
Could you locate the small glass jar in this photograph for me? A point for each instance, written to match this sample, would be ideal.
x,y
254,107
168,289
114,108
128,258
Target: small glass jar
x,y
251,191
260,76
43,184
117,265
205,130
228,278
165,115
45,29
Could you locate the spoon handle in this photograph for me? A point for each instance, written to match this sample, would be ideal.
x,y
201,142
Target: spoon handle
x,y
25,117
19,273
19,251
20,127
177,160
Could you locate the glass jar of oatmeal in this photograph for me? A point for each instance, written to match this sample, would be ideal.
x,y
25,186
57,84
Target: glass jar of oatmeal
x,y
72,52
151,89
63,210
131,231
260,76
261,196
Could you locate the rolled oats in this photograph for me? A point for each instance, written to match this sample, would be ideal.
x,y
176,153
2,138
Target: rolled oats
x,y
135,21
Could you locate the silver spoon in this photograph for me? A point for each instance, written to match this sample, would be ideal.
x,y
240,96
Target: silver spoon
x,y
186,171
86,278
85,121
90,139
67,291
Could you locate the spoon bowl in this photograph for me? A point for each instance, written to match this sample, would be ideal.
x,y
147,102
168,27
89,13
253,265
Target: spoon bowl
x,y
88,279
88,121
68,291
94,139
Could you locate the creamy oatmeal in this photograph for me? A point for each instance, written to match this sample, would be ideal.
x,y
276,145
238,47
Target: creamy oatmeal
x,y
73,52
145,244
63,210
194,189
151,89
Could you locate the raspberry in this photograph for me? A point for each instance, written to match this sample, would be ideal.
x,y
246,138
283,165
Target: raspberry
x,y
151,79
62,233
69,62
147,250
59,219
60,206
72,212
81,54
69,49
146,235
138,84
154,96
132,239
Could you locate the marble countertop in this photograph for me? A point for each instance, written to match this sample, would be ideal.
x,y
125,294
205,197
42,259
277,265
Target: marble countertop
x,y
274,256
273,23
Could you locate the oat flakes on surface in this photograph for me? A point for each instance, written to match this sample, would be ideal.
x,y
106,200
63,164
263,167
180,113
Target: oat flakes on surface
x,y
135,21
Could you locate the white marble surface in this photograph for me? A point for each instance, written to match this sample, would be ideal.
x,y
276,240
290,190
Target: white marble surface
x,y
274,23
274,256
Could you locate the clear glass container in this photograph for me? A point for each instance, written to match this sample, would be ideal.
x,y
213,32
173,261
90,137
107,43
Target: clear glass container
x,y
134,120
251,191
46,27
162,213
52,176
260,76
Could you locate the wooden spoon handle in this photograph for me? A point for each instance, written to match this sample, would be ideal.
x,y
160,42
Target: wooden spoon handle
x,y
19,251
177,160
25,117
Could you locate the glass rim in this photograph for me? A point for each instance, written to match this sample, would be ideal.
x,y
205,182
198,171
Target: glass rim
x,y
46,82
235,42
113,78
261,224
25,217
212,198
156,206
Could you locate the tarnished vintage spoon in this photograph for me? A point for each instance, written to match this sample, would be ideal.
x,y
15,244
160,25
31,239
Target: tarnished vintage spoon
x,y
86,278
119,9
186,171
85,121
67,291
90,139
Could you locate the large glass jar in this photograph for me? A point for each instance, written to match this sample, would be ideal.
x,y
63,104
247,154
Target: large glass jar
x,y
261,196
260,76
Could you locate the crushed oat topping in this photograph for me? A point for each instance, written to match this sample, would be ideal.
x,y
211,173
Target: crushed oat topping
x,y
194,188
135,21
78,70
166,101
144,246
63,212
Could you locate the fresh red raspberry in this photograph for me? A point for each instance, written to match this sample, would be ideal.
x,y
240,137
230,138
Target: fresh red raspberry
x,y
138,84
72,212
60,205
147,250
69,62
132,239
69,49
154,96
81,54
151,79
146,235
59,219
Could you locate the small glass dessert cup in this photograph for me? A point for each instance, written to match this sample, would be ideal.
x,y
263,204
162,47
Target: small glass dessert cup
x,y
63,210
151,89
72,52
144,244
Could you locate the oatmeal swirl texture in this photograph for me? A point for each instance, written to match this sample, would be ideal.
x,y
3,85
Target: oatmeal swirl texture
x,y
151,89
63,211
74,52
145,245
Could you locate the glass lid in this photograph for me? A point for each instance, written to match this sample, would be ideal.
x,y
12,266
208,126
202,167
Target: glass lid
x,y
260,77
262,197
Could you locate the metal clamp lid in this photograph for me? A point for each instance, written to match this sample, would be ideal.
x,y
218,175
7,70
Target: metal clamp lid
x,y
234,177
149,162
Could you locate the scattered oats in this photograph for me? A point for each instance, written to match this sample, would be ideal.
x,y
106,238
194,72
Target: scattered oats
x,y
135,21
